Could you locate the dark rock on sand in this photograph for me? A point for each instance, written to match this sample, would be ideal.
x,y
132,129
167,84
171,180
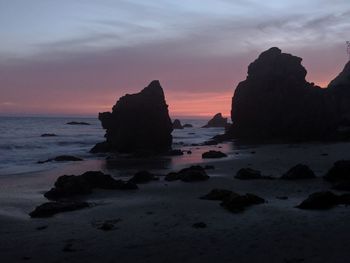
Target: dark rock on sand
x,y
187,125
71,185
248,174
177,125
237,203
142,177
213,154
300,171
48,135
320,200
276,102
217,194
139,122
216,121
191,174
339,172
51,208
63,158
77,123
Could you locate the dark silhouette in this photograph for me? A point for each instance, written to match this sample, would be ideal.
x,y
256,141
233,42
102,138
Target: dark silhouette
x,y
138,122
276,102
177,124
216,121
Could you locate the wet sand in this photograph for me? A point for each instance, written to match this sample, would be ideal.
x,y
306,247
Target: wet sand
x,y
154,223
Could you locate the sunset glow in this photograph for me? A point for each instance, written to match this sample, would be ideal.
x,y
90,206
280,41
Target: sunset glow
x,y
82,66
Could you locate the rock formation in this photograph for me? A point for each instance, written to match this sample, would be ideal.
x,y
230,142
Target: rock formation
x,y
216,121
177,124
138,122
276,102
339,91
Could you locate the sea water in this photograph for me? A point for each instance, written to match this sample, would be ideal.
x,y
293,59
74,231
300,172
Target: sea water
x,y
21,144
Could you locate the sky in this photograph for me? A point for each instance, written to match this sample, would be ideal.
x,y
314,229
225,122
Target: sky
x,y
78,57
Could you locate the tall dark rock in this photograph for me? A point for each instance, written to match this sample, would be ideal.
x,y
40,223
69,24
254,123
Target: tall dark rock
x,y
276,102
216,121
339,91
138,122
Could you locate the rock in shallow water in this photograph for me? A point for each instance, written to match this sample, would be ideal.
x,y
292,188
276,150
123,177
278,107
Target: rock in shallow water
x,y
213,155
138,122
177,125
51,208
63,158
216,122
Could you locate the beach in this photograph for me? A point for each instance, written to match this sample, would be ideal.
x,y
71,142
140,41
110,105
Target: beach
x,y
155,223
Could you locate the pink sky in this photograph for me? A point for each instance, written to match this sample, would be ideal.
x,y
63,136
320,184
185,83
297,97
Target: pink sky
x,y
199,50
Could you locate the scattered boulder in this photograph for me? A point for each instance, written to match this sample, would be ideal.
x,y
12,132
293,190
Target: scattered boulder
x,y
248,174
339,172
71,185
209,167
191,174
142,177
187,125
48,135
320,200
300,171
216,121
213,154
63,158
51,208
139,122
78,123
210,143
237,203
177,125
217,194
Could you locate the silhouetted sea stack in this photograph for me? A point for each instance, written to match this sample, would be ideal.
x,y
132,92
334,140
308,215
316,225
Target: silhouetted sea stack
x,y
339,90
177,124
276,102
216,121
138,122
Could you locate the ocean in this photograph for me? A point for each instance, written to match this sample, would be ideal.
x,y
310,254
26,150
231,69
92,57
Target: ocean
x,y
21,144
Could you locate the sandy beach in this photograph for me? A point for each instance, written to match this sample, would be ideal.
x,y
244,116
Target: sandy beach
x,y
154,223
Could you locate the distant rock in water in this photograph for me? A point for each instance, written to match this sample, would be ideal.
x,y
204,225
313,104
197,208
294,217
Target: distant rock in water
x,y
62,158
177,125
216,121
78,123
276,102
187,125
48,135
138,122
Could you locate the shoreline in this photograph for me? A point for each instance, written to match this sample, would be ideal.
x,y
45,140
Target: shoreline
x,y
154,223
